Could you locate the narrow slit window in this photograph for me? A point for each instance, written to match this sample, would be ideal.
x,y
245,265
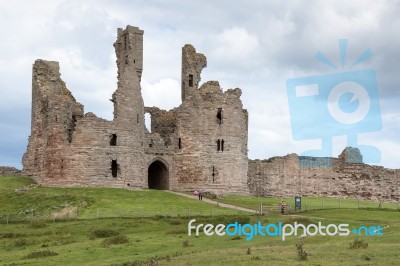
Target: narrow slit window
x,y
190,80
213,174
114,168
113,140
179,143
222,145
219,116
218,145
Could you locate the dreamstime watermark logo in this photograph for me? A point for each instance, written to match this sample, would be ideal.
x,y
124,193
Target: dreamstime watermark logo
x,y
340,104
281,230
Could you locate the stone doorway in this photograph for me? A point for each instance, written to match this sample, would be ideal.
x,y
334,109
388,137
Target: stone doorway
x,y
158,176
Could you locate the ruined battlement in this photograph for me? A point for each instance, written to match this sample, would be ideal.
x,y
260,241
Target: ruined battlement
x,y
192,65
129,50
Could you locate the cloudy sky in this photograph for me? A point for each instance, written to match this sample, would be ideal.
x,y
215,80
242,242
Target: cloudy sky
x,y
254,45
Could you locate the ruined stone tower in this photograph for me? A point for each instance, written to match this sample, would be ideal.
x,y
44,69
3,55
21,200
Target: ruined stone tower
x,y
200,144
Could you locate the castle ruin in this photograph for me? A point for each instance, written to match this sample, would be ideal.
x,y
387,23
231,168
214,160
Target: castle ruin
x,y
200,144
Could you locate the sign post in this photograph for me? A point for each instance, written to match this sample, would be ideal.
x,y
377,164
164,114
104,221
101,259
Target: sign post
x,y
297,203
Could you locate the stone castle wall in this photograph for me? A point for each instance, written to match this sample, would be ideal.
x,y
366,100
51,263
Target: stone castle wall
x,y
288,176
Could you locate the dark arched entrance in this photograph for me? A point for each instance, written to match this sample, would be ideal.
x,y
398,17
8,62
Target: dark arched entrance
x,y
158,176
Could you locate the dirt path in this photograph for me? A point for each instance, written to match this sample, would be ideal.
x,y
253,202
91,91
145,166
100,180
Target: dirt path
x,y
230,206
223,205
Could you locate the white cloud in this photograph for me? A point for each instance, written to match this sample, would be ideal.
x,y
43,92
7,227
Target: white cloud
x,y
165,94
235,44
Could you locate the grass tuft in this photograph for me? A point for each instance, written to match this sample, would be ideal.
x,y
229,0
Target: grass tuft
x,y
40,254
186,243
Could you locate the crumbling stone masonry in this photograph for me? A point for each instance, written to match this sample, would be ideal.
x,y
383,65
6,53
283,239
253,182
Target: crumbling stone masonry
x,y
9,171
345,177
200,144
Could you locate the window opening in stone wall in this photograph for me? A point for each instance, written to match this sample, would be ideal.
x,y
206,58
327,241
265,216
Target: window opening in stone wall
x,y
147,121
137,119
213,175
179,143
219,116
113,140
190,80
222,145
114,168
71,129
218,145
125,42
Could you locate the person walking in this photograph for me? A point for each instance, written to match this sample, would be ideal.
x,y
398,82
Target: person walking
x,y
282,206
200,194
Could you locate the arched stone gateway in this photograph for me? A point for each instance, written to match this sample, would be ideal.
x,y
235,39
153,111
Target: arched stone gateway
x,y
158,176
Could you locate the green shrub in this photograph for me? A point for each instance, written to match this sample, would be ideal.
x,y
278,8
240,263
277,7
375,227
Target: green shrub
x,y
356,244
38,224
12,235
21,242
248,252
102,233
301,253
114,240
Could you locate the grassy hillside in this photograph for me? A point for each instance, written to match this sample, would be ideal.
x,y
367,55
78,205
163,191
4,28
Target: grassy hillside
x,y
162,240
90,203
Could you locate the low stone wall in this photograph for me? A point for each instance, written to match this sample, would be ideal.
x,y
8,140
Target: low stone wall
x,y
287,177
9,171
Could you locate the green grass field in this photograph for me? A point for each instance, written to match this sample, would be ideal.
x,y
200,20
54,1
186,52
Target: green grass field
x,y
163,240
308,203
90,203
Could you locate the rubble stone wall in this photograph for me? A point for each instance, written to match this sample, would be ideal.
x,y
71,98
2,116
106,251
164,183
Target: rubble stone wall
x,y
9,171
284,177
